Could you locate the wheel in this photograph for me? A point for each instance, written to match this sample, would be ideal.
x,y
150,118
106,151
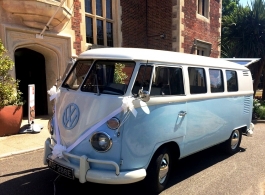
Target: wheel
x,y
158,170
231,146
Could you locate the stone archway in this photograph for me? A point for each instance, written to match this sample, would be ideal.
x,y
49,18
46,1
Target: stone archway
x,y
30,69
55,49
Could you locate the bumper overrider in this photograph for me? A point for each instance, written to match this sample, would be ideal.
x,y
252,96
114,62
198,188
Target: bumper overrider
x,y
249,132
84,173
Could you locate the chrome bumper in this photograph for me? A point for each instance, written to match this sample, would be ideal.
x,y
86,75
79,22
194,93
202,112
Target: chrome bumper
x,y
249,132
84,173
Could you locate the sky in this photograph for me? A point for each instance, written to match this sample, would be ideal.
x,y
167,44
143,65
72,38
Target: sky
x,y
244,2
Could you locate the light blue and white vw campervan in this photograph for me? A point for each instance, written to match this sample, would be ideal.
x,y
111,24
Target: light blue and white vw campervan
x,y
123,115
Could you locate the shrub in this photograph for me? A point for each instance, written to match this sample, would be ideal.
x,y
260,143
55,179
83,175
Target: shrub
x,y
259,109
9,92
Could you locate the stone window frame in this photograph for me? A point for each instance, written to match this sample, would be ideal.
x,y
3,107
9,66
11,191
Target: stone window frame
x,y
202,47
105,20
203,10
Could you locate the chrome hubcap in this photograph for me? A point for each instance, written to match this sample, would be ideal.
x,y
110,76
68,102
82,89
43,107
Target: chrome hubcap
x,y
163,168
235,139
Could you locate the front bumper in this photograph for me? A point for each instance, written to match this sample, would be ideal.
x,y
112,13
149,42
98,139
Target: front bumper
x,y
84,173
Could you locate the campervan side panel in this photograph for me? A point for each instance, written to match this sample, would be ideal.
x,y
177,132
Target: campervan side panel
x,y
211,121
154,125
245,81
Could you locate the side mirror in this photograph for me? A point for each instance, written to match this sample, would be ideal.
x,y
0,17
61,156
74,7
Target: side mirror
x,y
144,95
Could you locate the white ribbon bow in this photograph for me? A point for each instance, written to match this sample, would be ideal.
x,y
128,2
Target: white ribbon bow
x,y
53,92
58,151
127,104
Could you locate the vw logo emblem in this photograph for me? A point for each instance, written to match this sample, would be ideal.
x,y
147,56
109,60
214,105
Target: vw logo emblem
x,y
70,116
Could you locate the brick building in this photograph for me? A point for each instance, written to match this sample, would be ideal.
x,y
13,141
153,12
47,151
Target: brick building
x,y
42,36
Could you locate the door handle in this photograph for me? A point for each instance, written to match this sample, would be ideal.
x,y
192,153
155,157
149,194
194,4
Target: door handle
x,y
182,113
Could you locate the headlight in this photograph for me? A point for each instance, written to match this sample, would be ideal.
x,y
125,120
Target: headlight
x,y
101,142
50,126
113,123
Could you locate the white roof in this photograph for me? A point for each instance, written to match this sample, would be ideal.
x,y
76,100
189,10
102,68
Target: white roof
x,y
152,55
243,61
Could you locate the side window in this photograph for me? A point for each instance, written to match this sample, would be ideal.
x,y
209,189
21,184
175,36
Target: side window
x,y
216,80
231,79
167,81
197,80
143,79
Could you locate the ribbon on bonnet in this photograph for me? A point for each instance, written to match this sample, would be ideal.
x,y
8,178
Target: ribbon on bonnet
x,y
58,149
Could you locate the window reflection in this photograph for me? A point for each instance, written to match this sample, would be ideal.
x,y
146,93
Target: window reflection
x,y
88,6
89,30
231,79
99,22
100,38
167,81
109,35
216,80
197,80
99,7
109,9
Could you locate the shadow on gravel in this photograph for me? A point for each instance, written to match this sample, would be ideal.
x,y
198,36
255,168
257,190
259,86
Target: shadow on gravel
x,y
196,163
41,181
37,181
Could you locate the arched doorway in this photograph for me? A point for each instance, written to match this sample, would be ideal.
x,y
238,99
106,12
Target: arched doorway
x,y
30,69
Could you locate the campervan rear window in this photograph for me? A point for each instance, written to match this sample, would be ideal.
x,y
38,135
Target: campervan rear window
x,y
231,79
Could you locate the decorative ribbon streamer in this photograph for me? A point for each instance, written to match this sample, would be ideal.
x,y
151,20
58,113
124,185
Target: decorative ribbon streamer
x,y
93,128
127,103
59,149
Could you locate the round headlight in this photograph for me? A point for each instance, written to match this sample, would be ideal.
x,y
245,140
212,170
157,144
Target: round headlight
x,y
101,142
113,123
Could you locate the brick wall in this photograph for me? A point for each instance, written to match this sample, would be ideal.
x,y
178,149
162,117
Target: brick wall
x,y
76,20
196,28
143,21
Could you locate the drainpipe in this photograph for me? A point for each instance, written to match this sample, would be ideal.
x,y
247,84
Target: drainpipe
x,y
40,36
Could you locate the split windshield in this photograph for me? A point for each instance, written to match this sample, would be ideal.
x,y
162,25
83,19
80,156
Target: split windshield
x,y
105,77
78,73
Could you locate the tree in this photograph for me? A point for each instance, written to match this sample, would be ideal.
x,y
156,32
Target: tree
x,y
229,6
243,35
